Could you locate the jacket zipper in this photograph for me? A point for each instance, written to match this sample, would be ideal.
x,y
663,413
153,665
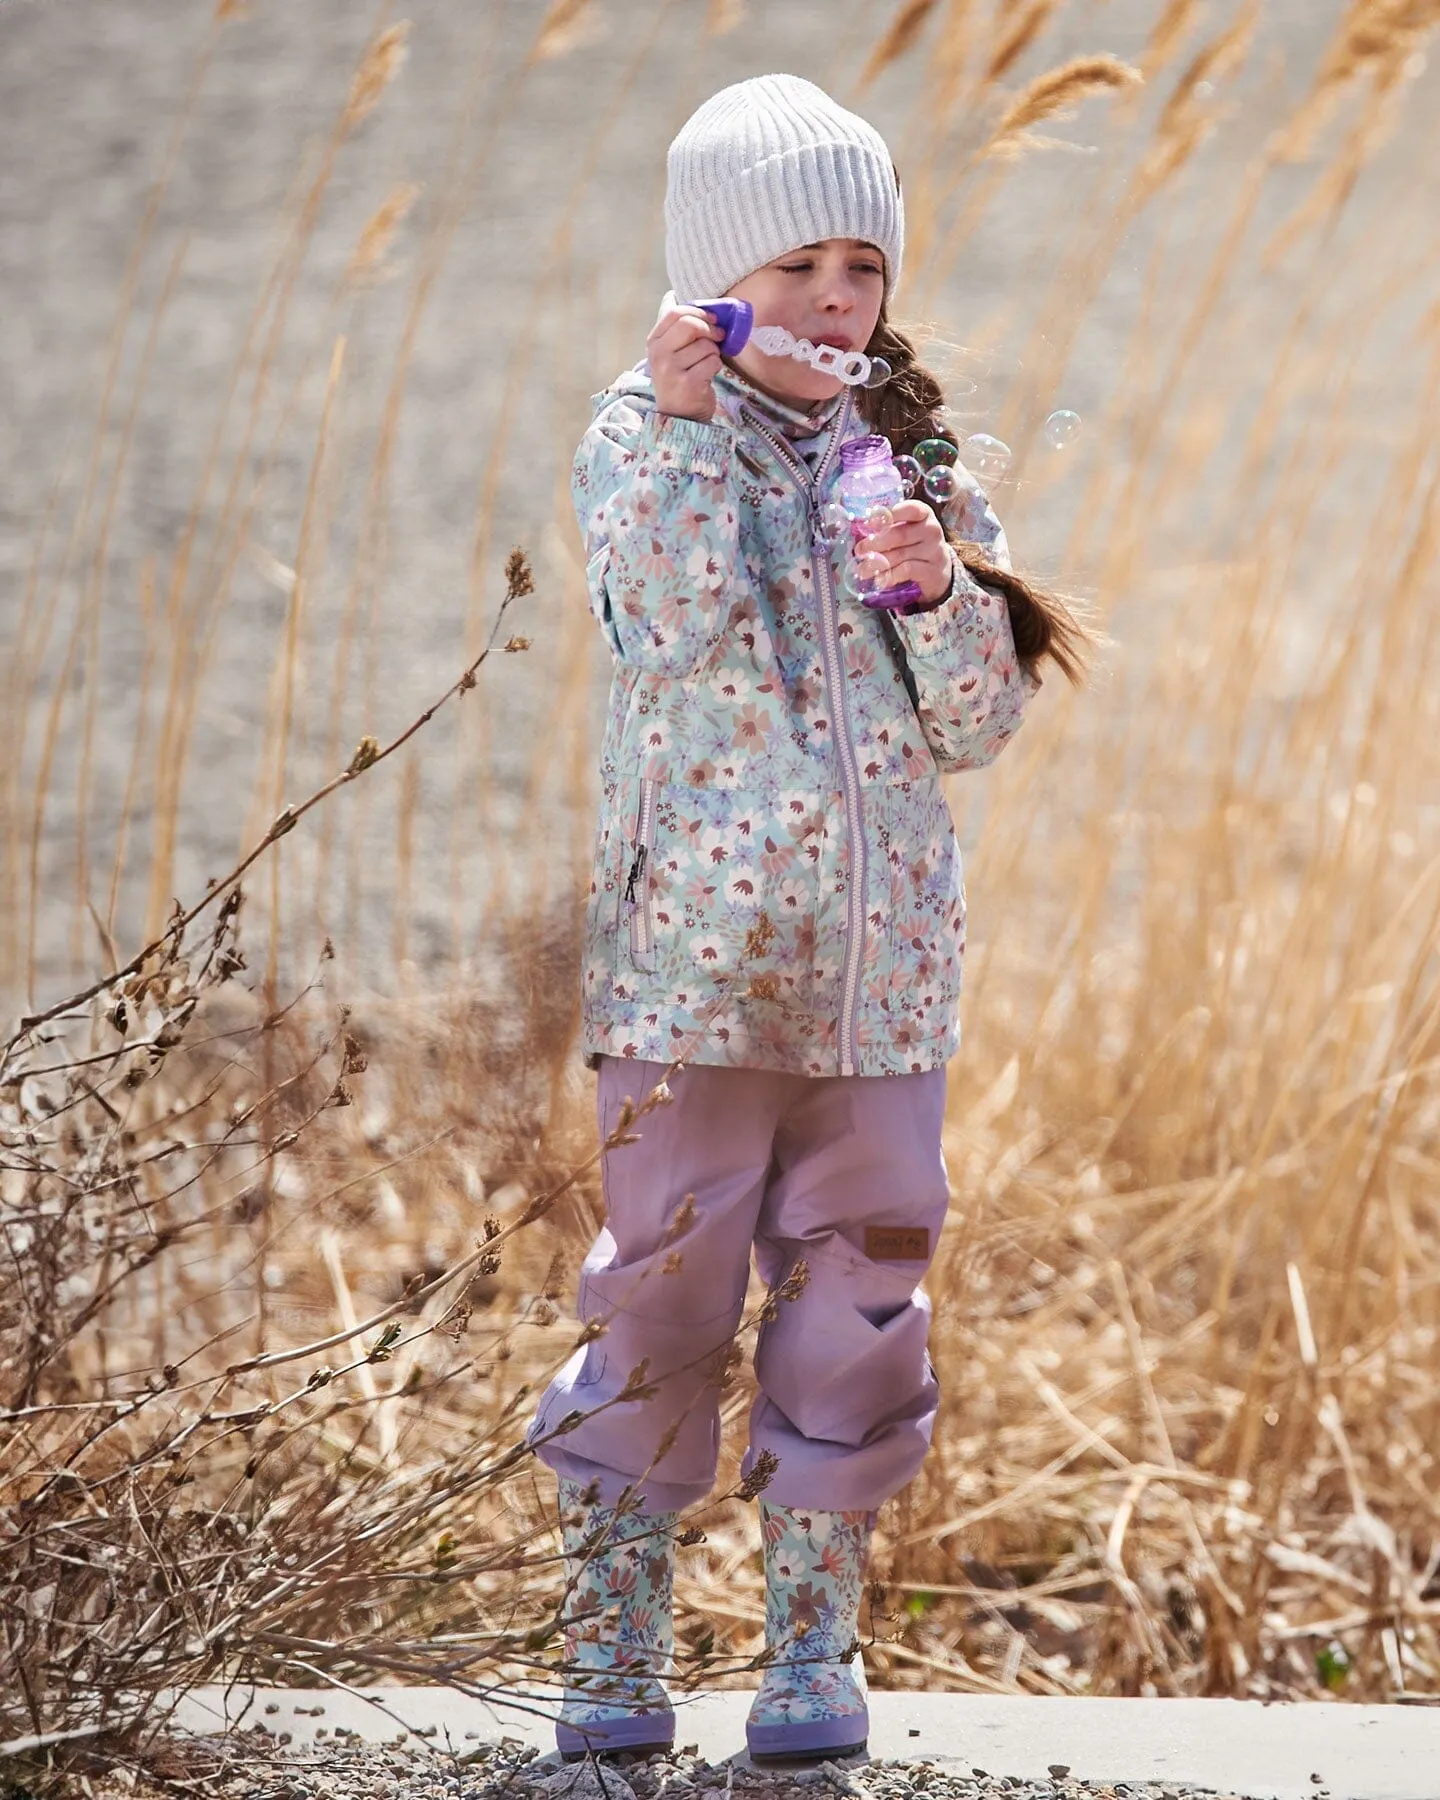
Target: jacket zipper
x,y
637,882
812,487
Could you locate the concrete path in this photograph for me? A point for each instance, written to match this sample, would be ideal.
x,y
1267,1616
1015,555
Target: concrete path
x,y
1241,1747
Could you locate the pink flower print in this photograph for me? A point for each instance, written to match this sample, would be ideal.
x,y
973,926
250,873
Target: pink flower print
x,y
832,1562
859,661
915,759
751,729
700,774
620,1583
689,524
777,859
652,563
699,892
670,615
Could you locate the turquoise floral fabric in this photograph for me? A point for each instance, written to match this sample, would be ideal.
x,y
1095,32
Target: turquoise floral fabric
x,y
776,882
814,1578
622,1635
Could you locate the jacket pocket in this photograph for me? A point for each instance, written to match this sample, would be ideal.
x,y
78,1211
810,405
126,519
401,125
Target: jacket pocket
x,y
926,927
636,894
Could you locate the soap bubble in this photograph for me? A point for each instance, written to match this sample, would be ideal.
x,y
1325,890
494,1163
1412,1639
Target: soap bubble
x,y
1062,428
867,575
931,452
880,372
834,523
879,518
910,473
987,456
942,484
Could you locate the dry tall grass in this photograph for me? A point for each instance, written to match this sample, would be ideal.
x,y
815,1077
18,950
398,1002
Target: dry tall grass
x,y
1187,1309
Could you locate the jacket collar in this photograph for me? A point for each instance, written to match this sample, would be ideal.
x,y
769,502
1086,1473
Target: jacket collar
x,y
737,391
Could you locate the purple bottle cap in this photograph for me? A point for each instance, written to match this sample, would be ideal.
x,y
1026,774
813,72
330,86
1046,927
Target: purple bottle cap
x,y
901,598
736,318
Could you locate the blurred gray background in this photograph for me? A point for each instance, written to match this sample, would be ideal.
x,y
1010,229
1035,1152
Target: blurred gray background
x,y
522,278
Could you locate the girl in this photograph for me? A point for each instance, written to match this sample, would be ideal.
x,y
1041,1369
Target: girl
x,y
777,901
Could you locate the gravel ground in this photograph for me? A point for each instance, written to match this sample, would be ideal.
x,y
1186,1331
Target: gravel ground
x,y
355,1770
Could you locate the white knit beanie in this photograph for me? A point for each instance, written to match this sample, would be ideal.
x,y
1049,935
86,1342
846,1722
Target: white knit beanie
x,y
765,166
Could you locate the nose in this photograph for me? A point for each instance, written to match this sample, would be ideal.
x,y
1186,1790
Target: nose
x,y
838,292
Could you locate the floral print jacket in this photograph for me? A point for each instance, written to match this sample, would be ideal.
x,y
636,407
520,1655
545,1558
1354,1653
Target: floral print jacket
x,y
777,882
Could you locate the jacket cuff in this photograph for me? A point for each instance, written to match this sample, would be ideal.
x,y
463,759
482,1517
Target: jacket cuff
x,y
967,608
688,446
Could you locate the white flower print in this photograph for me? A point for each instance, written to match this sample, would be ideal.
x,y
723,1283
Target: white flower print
x,y
704,568
710,951
656,735
732,686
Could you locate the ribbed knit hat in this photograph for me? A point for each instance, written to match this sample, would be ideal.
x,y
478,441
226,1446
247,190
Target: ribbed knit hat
x,y
765,166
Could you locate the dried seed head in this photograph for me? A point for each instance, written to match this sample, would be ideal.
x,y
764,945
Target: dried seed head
x,y
519,577
378,68
724,16
760,1477
567,25
760,936
367,262
684,1218
1057,93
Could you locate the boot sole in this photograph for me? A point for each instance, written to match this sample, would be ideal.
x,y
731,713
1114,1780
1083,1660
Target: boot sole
x,y
623,1738
779,1759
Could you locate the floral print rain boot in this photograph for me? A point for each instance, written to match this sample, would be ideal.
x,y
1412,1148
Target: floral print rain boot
x,y
811,1702
614,1698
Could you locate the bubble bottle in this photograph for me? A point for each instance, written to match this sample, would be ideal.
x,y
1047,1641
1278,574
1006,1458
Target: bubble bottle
x,y
869,487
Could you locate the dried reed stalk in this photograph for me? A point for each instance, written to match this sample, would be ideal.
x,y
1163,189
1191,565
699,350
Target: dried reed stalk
x,y
1056,95
564,27
367,262
382,62
1015,34
901,36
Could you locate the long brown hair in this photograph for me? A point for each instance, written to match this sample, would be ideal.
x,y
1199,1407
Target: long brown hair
x,y
906,409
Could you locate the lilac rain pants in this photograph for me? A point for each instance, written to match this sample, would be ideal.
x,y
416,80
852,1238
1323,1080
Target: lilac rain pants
x,y
845,1172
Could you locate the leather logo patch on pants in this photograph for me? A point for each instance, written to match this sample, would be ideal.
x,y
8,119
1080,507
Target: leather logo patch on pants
x,y
897,1243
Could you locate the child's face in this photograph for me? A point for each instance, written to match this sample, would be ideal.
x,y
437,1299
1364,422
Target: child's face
x,y
829,292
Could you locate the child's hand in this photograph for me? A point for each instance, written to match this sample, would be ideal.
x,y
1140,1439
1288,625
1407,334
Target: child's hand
x,y
684,359
916,548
